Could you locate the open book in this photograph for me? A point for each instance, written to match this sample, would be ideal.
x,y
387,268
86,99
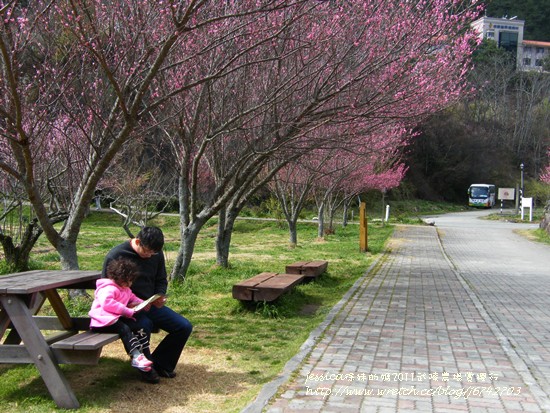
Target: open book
x,y
145,303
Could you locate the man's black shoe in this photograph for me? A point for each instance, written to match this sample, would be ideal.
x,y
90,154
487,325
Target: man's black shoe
x,y
150,376
165,373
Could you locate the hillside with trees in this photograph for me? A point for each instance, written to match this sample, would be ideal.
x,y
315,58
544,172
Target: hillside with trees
x,y
536,14
503,123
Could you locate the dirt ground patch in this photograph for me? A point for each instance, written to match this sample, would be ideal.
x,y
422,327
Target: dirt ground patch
x,y
207,381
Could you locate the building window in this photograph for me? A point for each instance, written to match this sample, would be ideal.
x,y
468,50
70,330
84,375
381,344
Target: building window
x,y
490,35
527,61
508,41
538,62
540,49
527,49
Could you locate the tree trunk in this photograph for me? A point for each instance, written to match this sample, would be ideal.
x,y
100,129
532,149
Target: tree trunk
x,y
330,229
545,223
69,261
321,220
345,215
293,232
185,253
30,237
17,256
226,224
12,254
68,255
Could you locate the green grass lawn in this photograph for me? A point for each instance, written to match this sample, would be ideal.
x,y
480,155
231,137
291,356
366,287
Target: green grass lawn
x,y
253,341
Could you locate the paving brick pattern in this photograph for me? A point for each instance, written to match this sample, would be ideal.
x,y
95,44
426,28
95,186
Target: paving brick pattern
x,y
514,287
433,330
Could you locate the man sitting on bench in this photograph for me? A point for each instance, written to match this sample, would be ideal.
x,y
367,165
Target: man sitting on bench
x,y
145,250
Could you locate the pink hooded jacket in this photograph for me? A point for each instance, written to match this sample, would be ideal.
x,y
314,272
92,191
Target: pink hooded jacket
x,y
111,302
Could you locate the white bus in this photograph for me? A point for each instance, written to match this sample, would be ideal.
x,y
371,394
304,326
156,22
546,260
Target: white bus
x,y
482,195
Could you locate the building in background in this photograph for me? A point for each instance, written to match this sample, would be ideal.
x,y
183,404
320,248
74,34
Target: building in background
x,y
508,34
534,53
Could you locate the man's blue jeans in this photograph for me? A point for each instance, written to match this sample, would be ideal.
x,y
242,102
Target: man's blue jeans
x,y
168,352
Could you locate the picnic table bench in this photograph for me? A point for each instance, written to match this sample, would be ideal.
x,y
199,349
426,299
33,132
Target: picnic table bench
x,y
48,340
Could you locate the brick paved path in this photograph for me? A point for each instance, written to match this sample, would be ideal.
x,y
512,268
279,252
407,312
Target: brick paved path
x,y
436,329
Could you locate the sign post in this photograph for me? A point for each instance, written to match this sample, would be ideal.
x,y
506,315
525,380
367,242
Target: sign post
x,y
527,203
506,194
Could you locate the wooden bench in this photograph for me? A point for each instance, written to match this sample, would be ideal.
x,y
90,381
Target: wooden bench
x,y
309,269
82,348
266,286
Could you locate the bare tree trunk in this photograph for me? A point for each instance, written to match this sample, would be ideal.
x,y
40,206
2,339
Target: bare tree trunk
x,y
293,233
68,255
18,256
331,213
321,220
292,197
183,259
225,231
15,255
345,215
545,223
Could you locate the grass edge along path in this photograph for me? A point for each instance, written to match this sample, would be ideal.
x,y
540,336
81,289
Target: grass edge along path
x,y
292,367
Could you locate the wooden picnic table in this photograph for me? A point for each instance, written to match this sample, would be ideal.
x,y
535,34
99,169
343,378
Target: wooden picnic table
x,y
22,295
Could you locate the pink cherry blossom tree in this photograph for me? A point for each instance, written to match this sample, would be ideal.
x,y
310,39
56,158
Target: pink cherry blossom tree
x,y
292,187
92,72
545,175
335,174
233,84
312,66
349,173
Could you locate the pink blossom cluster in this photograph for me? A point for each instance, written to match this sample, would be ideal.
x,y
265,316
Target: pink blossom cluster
x,y
545,176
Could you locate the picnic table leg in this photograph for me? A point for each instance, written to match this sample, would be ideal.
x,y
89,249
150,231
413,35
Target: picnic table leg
x,y
35,302
60,309
4,321
40,352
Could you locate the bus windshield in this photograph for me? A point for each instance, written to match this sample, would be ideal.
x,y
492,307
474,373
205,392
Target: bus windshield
x,y
479,192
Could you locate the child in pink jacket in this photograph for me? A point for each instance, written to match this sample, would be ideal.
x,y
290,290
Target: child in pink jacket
x,y
112,311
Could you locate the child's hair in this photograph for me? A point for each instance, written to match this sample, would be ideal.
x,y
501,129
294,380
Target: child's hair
x,y
122,271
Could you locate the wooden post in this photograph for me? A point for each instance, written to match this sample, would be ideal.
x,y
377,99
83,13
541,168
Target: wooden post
x,y
363,242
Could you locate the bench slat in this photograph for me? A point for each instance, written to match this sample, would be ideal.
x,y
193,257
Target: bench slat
x,y
258,279
276,286
60,335
87,340
81,357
